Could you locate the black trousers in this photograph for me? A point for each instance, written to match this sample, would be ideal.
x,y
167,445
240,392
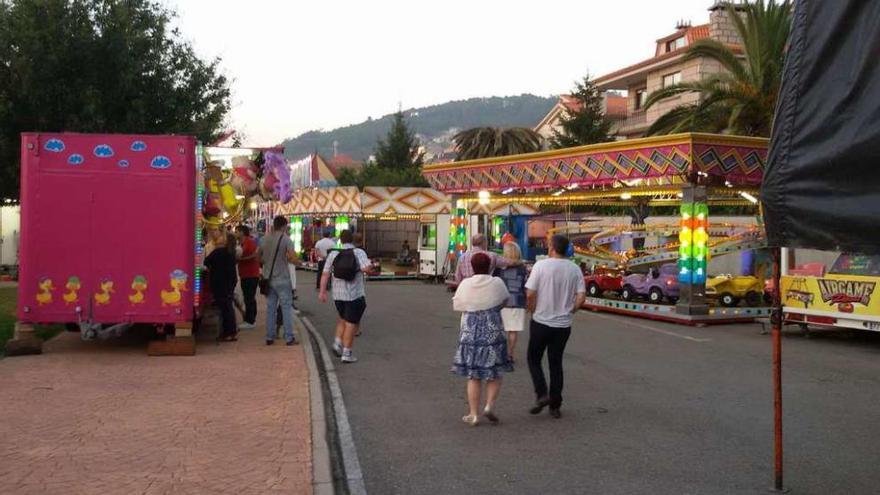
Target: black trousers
x,y
249,290
321,264
543,338
227,313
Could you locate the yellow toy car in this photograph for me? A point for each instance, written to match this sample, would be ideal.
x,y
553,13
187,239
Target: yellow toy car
x,y
729,290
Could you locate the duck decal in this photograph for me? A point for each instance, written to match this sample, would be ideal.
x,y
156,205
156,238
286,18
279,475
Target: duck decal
x,y
44,296
178,283
138,285
102,298
72,295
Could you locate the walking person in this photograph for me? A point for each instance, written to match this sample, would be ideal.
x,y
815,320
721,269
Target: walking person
x,y
249,274
482,348
514,315
322,248
276,251
555,291
479,244
346,266
221,275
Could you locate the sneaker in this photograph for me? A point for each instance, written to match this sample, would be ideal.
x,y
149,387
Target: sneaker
x,y
539,406
296,311
246,326
349,358
291,342
337,349
555,412
269,342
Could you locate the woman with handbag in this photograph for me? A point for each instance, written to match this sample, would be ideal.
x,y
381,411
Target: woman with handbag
x,y
514,314
276,251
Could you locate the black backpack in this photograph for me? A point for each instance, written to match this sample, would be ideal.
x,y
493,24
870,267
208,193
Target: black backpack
x,y
346,265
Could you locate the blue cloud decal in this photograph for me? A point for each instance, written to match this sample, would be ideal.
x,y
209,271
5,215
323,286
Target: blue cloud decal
x,y
54,145
103,151
161,162
75,159
123,163
138,146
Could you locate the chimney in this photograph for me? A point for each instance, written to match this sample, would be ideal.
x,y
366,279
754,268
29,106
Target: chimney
x,y
721,27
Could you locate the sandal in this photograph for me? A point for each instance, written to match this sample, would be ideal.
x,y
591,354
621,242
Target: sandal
x,y
470,420
490,415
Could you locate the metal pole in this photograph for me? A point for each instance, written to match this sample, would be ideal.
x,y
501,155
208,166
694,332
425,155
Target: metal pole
x,y
776,333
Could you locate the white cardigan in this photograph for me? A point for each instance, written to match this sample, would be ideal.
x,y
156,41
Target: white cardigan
x,y
479,292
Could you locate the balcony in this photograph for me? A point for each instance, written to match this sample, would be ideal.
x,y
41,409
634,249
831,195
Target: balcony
x,y
635,122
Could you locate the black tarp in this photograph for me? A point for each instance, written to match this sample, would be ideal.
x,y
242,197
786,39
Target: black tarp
x,y
821,188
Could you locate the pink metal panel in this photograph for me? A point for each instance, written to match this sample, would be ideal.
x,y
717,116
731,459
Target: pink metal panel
x,y
107,228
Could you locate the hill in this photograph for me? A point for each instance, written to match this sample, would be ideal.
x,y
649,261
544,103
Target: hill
x,y
435,125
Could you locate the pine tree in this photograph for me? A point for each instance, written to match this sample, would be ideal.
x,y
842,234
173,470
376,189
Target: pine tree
x,y
400,148
398,161
585,125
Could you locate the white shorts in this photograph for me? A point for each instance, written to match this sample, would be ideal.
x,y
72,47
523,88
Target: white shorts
x,y
514,319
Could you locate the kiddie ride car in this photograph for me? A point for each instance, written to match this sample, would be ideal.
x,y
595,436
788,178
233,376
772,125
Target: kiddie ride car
x,y
603,279
654,285
730,290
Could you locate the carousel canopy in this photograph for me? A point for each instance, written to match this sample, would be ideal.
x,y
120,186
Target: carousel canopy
x,y
385,202
736,160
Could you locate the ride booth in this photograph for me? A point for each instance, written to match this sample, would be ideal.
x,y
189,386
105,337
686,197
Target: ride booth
x,y
688,175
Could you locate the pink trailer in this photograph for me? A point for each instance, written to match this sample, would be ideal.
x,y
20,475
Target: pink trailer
x,y
108,229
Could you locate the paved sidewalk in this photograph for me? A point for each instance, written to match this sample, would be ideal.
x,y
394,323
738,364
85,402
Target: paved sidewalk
x,y
103,417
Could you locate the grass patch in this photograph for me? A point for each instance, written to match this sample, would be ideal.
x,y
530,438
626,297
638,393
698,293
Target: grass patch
x,y
8,301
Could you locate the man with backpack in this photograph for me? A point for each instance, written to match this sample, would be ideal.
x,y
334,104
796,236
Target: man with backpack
x,y
346,265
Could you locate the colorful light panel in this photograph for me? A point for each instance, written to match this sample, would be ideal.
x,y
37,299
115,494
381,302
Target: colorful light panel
x,y
296,233
694,243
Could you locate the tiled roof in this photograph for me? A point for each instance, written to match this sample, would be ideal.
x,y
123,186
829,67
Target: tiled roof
x,y
693,34
697,33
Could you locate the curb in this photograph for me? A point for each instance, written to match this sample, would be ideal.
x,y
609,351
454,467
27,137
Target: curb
x,y
354,479
322,474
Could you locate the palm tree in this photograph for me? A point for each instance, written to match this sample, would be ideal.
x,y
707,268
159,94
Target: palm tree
x,y
483,142
742,99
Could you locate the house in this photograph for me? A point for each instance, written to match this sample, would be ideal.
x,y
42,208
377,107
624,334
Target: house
x,y
614,106
666,67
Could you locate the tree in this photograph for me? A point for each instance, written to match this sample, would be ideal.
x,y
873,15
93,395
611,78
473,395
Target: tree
x,y
586,124
398,161
742,99
100,66
483,142
400,148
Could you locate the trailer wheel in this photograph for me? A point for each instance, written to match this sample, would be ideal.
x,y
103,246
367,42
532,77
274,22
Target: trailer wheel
x,y
728,299
753,299
594,290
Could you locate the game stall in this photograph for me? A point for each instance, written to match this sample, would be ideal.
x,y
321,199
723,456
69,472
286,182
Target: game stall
x,y
689,173
113,229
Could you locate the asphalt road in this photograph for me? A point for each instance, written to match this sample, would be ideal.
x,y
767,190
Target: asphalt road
x,y
649,407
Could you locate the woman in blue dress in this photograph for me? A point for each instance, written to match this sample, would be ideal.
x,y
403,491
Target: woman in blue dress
x,y
482,345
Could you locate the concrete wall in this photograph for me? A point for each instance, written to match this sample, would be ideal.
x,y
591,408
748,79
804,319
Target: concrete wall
x,y
383,238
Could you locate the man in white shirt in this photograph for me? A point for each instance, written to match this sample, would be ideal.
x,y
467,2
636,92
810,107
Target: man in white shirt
x,y
348,292
554,292
323,247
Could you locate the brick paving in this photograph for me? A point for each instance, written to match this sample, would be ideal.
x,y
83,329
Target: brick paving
x,y
104,418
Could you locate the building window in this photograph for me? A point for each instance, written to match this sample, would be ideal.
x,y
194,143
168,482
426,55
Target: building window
x,y
670,79
641,98
676,44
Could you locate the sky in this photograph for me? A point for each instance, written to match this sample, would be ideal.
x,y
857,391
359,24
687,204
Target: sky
x,y
320,64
